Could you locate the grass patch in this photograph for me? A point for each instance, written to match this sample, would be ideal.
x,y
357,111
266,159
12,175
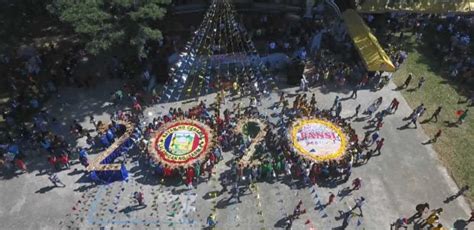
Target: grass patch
x,y
455,146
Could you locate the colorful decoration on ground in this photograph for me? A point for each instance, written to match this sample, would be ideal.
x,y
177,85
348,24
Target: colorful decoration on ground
x,y
181,143
318,140
102,167
255,129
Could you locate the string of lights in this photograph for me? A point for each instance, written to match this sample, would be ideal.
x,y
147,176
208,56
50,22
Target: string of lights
x,y
221,51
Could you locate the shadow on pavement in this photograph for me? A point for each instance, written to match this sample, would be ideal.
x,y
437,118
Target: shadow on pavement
x,y
45,189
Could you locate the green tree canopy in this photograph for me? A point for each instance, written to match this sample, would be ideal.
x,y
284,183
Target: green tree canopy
x,y
103,24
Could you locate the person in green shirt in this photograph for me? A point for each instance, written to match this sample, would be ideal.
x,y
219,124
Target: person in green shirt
x,y
462,117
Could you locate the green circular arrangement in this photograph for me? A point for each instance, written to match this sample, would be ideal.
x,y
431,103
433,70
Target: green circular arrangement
x,y
251,129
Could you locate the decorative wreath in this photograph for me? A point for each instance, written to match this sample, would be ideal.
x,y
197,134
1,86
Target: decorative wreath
x,y
181,143
318,140
240,128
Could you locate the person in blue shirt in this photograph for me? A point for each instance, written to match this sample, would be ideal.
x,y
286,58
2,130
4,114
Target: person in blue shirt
x,y
104,140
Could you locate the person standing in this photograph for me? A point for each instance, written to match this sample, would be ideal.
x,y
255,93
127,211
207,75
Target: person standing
x,y
436,114
358,205
432,218
462,117
368,155
394,105
190,176
139,197
211,221
413,118
357,110
471,219
336,101
338,109
331,199
375,137
235,192
421,82
282,98
304,84
20,164
354,92
400,223
55,180
313,100
407,81
379,125
356,183
420,209
298,211
379,145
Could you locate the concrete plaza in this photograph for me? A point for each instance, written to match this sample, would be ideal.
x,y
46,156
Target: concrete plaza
x,y
405,174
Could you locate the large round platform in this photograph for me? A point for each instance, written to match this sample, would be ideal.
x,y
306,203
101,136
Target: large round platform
x,y
318,140
181,143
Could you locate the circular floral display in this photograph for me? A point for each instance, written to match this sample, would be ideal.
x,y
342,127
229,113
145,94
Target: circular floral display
x,y
318,139
181,142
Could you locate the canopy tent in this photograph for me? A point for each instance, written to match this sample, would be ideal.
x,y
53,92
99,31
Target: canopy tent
x,y
419,6
374,57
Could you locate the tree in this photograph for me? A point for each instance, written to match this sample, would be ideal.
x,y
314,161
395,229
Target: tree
x,y
103,24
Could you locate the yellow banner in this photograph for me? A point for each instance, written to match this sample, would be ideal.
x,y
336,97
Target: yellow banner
x,y
417,6
372,54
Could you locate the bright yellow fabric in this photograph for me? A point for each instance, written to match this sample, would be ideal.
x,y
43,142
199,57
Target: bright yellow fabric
x,y
419,6
372,53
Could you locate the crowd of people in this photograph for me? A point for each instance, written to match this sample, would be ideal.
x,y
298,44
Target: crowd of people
x,y
274,157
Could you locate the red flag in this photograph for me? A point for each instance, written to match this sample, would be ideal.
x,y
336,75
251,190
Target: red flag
x,y
459,112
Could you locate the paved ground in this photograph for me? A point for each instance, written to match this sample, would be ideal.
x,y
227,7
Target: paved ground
x,y
405,174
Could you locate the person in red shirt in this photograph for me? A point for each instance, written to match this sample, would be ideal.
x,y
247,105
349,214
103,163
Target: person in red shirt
x,y
212,158
394,105
189,176
20,164
356,183
53,161
139,197
379,125
64,159
167,171
331,199
137,106
379,145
